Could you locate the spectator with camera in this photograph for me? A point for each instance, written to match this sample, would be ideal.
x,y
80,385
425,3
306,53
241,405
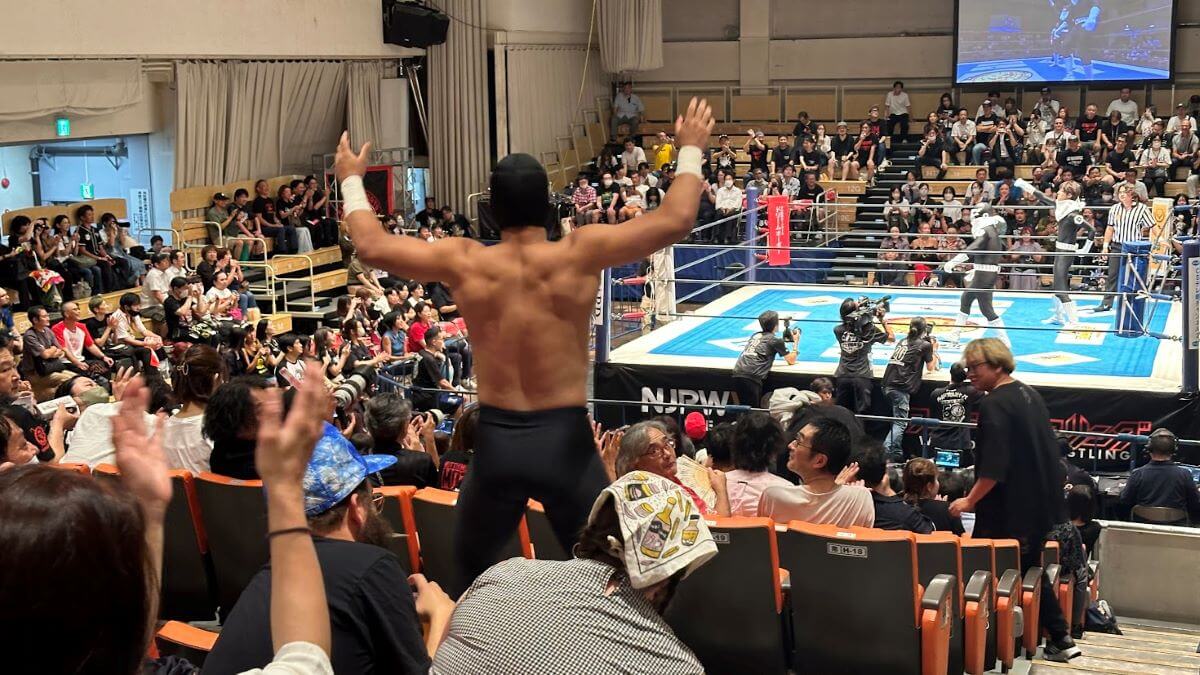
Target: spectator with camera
x,y
754,364
862,326
184,307
902,378
409,438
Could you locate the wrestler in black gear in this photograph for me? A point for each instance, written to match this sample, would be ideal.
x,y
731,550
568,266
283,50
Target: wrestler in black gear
x,y
985,252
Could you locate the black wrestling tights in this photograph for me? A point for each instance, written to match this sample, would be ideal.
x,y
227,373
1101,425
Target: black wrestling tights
x,y
980,292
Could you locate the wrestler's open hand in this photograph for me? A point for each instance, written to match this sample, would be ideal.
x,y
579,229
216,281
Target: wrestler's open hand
x,y
694,126
346,163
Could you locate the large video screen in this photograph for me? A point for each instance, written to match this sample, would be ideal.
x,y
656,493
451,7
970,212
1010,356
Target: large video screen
x,y
1063,40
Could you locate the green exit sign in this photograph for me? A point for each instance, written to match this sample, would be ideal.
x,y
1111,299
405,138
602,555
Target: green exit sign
x,y
87,191
62,126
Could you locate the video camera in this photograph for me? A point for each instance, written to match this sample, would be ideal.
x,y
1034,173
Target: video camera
x,y
868,309
787,329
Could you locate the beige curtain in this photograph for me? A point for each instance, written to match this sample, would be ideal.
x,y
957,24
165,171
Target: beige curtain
x,y
544,93
459,133
314,113
240,120
32,89
363,109
202,109
630,35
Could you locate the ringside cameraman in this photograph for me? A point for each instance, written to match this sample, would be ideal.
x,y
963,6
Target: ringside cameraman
x,y
755,363
862,326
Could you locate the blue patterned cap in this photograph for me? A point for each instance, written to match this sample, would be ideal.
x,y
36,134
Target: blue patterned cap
x,y
335,470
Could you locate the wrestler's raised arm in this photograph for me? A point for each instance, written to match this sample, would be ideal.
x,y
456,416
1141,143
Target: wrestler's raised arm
x,y
604,246
406,257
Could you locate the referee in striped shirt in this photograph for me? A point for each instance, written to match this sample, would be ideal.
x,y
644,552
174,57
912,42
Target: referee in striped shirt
x,y
1127,221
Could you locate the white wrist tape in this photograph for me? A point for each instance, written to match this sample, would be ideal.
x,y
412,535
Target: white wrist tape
x,y
690,160
354,197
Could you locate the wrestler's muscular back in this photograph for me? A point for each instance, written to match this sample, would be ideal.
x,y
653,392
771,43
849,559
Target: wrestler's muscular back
x,y
528,306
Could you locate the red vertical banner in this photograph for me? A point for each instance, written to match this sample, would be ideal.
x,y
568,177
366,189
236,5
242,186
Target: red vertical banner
x,y
778,214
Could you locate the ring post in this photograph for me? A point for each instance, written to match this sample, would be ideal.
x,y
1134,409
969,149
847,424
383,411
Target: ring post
x,y
602,317
1191,316
1131,307
751,232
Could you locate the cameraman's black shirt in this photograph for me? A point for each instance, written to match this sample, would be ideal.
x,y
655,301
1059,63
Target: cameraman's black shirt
x,y
760,352
854,343
904,367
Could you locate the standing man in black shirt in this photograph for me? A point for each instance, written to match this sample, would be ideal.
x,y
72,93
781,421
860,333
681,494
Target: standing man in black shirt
x,y
855,335
286,238
955,402
902,378
1018,492
755,362
1162,482
374,615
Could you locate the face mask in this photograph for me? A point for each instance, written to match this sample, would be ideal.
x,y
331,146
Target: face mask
x,y
728,183
607,182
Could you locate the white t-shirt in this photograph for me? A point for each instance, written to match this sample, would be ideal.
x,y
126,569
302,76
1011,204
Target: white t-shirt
x,y
156,280
213,294
631,159
1128,110
844,506
185,444
90,441
746,487
897,104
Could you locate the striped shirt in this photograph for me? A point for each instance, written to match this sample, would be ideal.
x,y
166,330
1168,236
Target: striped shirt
x,y
1128,223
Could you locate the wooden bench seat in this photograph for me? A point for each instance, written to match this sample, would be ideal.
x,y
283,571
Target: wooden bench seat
x,y
328,281
953,172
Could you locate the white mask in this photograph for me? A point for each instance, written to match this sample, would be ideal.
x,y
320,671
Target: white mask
x,y
728,183
607,182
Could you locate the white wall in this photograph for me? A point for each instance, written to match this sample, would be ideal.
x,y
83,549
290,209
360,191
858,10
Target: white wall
x,y
15,160
162,160
540,21
163,28
393,113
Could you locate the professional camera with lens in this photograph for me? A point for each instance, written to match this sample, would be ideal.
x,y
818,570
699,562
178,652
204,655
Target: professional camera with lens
x,y
348,392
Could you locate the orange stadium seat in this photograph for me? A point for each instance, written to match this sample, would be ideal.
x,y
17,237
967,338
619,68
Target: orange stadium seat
x,y
709,602
832,602
234,513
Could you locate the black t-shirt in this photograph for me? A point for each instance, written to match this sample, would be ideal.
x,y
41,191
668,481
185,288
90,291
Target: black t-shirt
x,y
954,403
812,193
938,512
206,271
95,326
1088,130
282,205
234,459
411,467
841,147
758,157
90,240
934,150
758,356
803,129
1113,130
429,374
854,344
905,367
892,513
265,207
453,469
441,297
782,156
175,328
876,126
985,137
813,158
373,621
1120,161
1076,160
866,147
314,214
1016,447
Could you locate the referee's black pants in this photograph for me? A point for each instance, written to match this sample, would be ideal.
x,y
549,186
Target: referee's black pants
x,y
1111,273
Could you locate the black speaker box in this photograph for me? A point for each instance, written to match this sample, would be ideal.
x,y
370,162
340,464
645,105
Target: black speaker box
x,y
410,25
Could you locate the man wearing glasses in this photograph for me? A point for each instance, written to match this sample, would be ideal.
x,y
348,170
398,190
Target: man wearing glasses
x,y
819,455
1018,492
